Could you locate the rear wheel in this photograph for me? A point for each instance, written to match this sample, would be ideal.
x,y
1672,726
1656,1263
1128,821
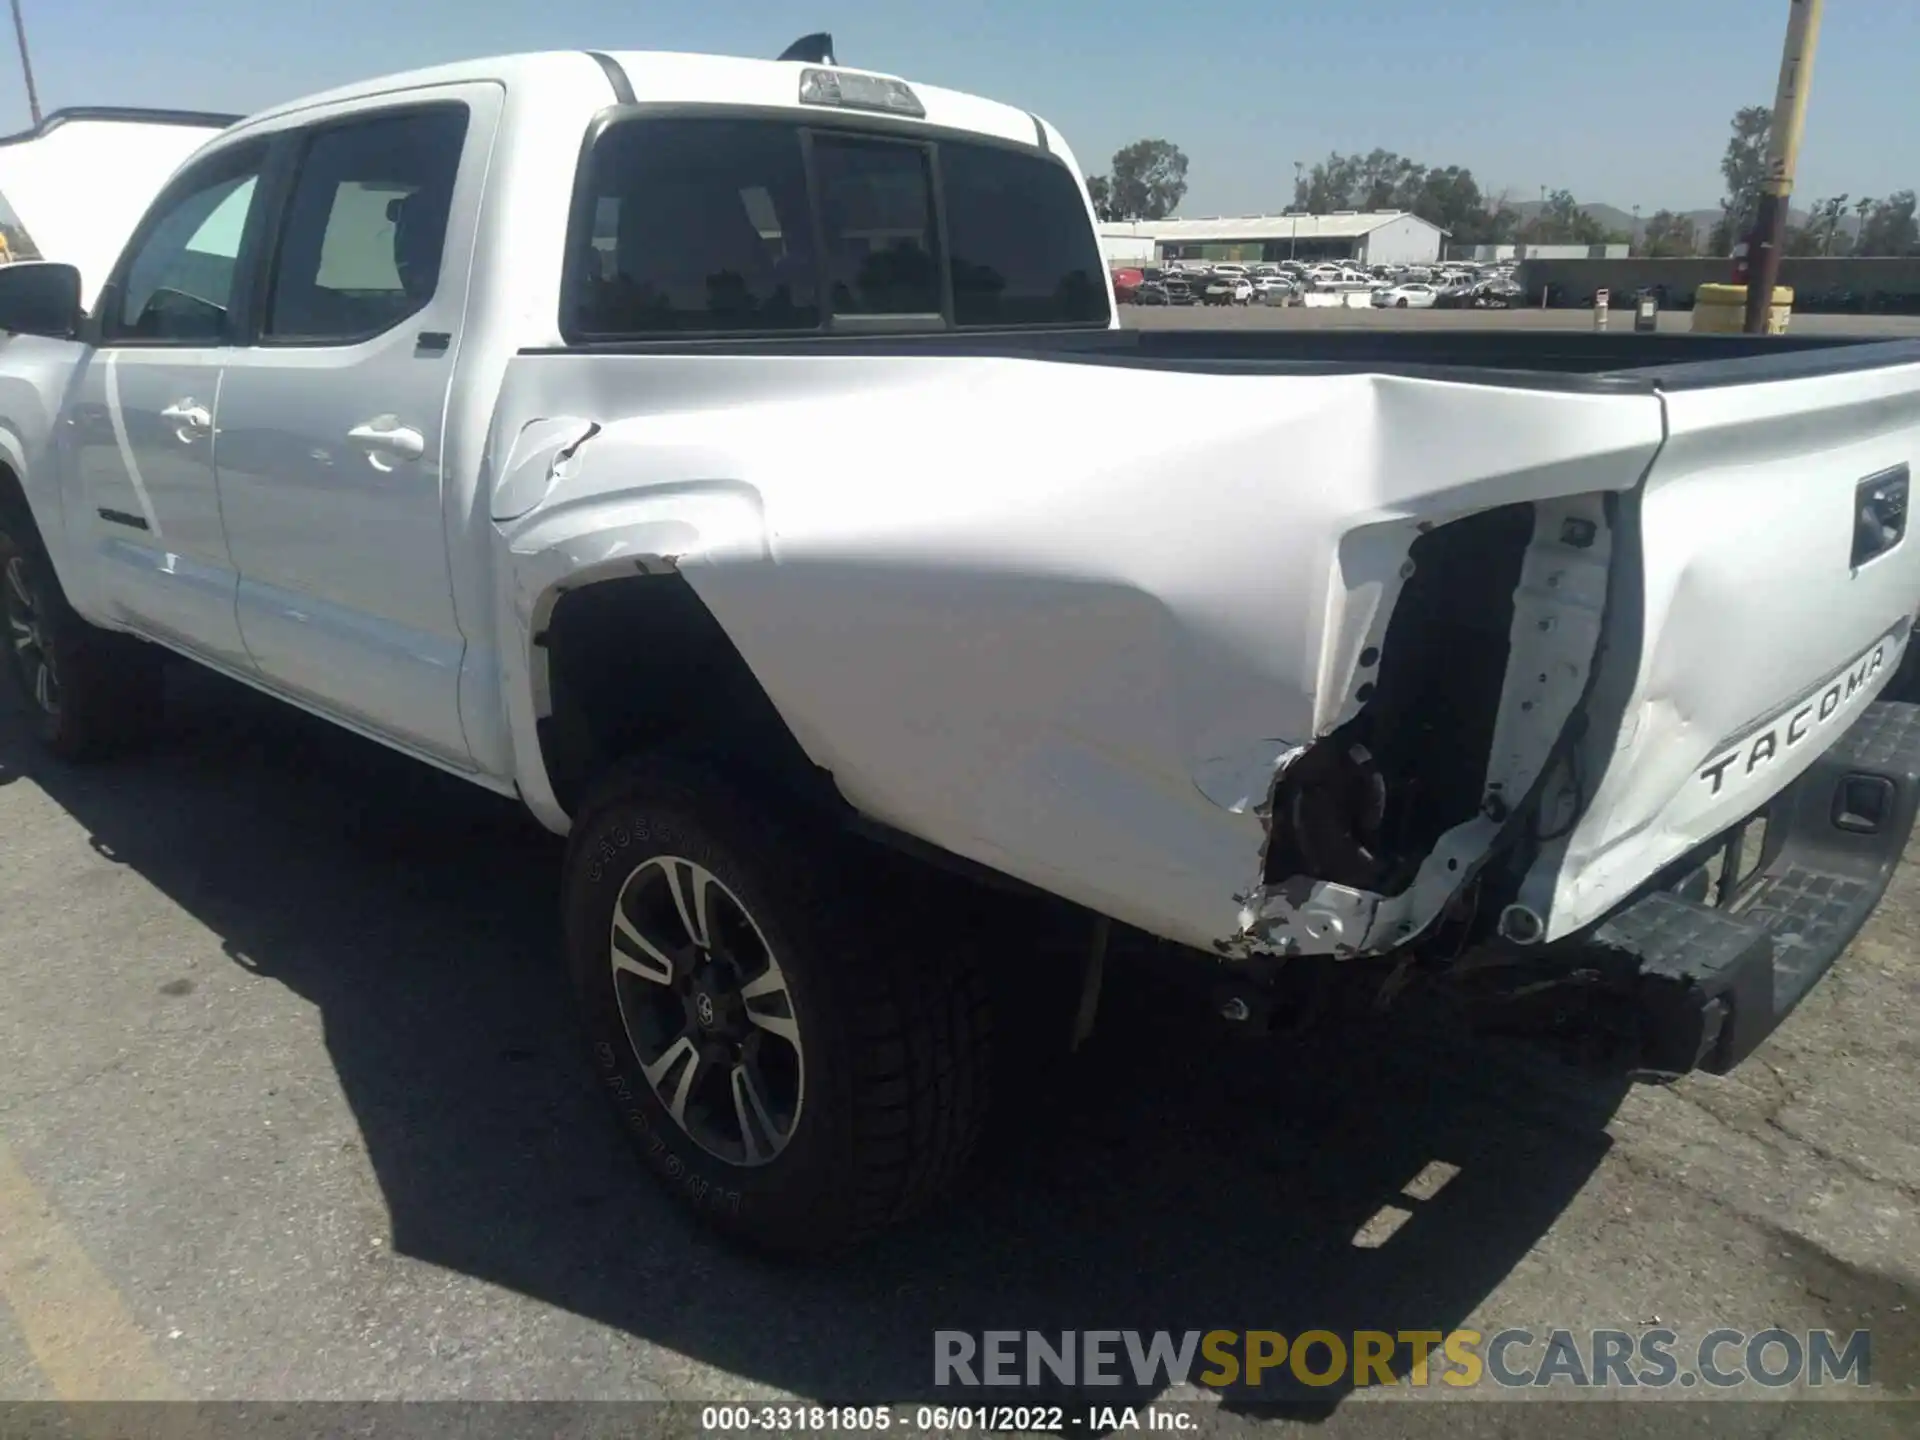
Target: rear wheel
x,y
788,1071
88,691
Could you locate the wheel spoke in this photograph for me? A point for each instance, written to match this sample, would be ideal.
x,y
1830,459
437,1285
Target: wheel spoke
x,y
704,1030
751,1112
685,1050
774,1012
17,582
634,954
43,685
23,636
690,886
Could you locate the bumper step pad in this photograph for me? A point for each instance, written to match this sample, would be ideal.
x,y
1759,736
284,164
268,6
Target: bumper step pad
x,y
1714,980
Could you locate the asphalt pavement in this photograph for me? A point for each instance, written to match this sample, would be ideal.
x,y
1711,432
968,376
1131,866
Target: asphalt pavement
x,y
292,1108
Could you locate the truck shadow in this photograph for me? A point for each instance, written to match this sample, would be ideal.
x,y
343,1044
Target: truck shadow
x,y
1169,1178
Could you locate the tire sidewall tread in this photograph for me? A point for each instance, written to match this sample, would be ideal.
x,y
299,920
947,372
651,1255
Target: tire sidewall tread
x,y
895,1029
110,684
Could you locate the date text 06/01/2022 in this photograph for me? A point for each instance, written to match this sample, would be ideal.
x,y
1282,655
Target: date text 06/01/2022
x,y
945,1419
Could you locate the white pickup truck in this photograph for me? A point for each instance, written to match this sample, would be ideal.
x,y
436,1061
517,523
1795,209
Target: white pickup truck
x,y
740,462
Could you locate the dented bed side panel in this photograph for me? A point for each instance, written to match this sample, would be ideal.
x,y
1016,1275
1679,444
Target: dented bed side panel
x,y
1748,640
1065,620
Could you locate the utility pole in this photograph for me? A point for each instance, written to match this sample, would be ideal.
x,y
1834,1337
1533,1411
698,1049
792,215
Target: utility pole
x,y
26,65
1783,152
1293,236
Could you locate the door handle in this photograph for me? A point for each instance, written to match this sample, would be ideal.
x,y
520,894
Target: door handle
x,y
187,418
385,435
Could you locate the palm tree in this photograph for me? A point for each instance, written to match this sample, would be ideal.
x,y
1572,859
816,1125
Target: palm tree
x,y
1861,207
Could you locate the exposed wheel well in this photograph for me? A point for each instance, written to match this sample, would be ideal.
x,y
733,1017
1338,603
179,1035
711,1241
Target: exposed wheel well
x,y
640,666
13,498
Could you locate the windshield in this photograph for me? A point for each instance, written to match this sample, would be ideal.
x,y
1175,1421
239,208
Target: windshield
x,y
715,224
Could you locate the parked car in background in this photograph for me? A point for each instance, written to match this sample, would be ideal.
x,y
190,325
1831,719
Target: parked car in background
x,y
1228,290
1126,284
1340,278
1407,297
1496,295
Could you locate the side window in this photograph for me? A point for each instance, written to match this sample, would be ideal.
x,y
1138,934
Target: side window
x,y
876,210
178,283
360,245
692,225
1023,253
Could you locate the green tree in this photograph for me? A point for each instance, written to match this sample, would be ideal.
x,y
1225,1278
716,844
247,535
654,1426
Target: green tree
x,y
1449,196
1890,227
1744,168
1148,181
1821,232
1388,181
1561,221
1451,199
1100,191
1330,185
1667,235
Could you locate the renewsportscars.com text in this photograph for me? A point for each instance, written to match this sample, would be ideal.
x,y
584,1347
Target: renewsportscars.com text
x,y
1652,1358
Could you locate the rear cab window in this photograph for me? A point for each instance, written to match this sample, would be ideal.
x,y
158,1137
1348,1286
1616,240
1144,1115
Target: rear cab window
x,y
720,224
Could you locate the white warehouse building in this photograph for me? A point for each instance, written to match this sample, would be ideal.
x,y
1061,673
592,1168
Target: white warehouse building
x,y
1384,237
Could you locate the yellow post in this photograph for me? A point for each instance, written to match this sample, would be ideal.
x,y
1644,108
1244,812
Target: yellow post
x,y
1783,153
1722,309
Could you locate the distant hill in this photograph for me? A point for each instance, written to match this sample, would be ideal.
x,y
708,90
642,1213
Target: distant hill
x,y
1614,218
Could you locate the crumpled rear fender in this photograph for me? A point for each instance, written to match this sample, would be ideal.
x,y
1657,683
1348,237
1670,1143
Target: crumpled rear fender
x,y
1068,620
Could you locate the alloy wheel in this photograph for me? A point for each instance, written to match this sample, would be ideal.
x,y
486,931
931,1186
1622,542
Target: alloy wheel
x,y
707,1010
27,630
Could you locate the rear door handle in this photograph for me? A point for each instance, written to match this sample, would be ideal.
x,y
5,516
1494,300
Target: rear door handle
x,y
384,436
188,418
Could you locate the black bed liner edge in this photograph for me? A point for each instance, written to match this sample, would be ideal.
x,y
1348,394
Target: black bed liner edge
x,y
1555,360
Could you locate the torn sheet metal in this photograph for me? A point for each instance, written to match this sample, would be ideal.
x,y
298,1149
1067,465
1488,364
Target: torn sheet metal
x,y
1558,614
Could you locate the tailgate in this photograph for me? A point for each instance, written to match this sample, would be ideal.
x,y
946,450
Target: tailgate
x,y
1774,592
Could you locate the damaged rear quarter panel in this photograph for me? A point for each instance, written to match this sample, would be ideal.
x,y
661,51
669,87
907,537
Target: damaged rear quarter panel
x,y
1064,619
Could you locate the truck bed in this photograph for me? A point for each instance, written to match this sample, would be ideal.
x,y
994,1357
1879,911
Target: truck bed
x,y
1176,559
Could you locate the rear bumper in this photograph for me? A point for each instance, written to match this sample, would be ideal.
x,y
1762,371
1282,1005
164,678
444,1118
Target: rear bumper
x,y
1730,941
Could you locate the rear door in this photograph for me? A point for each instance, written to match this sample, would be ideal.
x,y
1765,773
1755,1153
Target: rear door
x,y
332,421
1777,583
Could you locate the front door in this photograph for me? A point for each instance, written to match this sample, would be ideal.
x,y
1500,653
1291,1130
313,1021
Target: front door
x,y
144,409
331,423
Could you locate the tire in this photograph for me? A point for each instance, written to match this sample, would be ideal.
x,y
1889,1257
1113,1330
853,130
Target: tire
x,y
1401,302
866,1063
88,692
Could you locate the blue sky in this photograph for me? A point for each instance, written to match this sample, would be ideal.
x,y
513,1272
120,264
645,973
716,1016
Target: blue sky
x,y
1622,101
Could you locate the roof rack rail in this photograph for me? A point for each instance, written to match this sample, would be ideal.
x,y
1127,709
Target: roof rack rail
x,y
132,114
815,49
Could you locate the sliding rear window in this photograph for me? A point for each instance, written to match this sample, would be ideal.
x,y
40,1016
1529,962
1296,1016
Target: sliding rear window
x,y
722,225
